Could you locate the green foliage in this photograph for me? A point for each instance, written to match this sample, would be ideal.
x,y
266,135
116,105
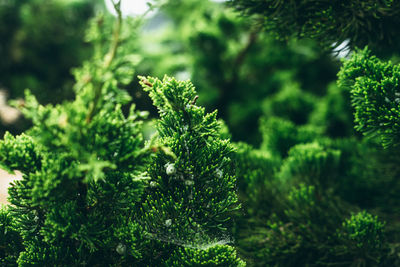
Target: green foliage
x,y
82,164
93,193
290,103
10,240
330,22
297,235
279,135
18,153
98,189
375,95
334,112
252,166
217,255
310,163
41,43
192,187
363,239
234,65
292,216
255,177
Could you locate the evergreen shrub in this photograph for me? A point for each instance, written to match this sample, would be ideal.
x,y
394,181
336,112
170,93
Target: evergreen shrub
x,y
94,193
317,185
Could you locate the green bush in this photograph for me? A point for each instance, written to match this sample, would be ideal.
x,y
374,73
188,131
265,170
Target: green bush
x,y
279,135
103,185
290,103
375,95
94,193
359,23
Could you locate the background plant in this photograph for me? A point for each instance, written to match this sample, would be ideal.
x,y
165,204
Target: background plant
x,y
84,198
313,190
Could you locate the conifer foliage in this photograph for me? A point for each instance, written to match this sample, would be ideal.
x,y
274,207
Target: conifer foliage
x,y
192,186
81,164
360,22
328,185
375,95
99,190
93,193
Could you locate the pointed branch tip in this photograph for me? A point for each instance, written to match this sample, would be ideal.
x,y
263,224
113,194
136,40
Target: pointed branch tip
x,y
146,82
195,99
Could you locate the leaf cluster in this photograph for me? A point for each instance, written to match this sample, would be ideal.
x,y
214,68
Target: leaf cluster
x,y
359,23
374,86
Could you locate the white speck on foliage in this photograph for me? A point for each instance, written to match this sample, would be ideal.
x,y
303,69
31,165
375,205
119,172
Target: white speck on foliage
x,y
121,249
170,168
219,173
189,182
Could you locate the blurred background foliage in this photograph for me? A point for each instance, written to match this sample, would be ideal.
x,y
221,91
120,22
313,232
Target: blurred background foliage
x,y
39,44
234,64
310,186
358,22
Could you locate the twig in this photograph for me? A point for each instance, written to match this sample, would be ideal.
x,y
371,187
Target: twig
x,y
107,60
